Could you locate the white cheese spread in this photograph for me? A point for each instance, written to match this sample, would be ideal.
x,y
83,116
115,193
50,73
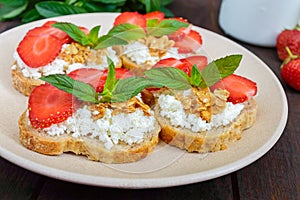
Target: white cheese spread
x,y
110,129
59,66
173,110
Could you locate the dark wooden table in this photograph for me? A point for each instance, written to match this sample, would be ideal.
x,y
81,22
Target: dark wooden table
x,y
274,176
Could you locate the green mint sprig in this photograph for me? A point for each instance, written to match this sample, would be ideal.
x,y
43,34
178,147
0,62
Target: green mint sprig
x,y
118,35
114,90
176,79
164,27
123,89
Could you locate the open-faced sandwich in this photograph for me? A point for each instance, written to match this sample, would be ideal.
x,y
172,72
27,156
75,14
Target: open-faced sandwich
x,y
164,38
202,110
104,119
59,48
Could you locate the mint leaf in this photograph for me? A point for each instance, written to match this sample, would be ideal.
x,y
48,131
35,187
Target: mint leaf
x,y
110,82
82,91
164,27
130,87
56,8
196,76
219,69
170,77
75,33
120,35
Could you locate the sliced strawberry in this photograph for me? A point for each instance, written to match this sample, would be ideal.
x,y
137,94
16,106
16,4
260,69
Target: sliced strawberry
x,y
87,75
49,30
167,62
180,33
200,61
37,51
49,23
240,88
48,105
131,18
121,73
189,43
155,15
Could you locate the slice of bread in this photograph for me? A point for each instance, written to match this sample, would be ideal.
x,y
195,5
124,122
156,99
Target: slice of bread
x,y
207,141
23,84
94,149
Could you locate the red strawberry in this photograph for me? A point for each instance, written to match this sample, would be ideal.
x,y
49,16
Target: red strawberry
x,y
240,88
132,18
155,15
87,75
189,43
43,30
48,105
37,51
290,39
290,70
121,73
200,61
180,33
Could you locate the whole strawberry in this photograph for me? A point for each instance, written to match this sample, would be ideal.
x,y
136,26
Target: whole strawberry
x,y
290,70
288,38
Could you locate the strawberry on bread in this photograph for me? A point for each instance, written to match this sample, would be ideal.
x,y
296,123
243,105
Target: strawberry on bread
x,y
76,118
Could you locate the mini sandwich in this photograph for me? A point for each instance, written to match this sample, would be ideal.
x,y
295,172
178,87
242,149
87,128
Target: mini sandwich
x,y
77,113
59,48
206,110
164,38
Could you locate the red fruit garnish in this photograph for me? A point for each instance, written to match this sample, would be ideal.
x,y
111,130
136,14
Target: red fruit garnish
x,y
155,15
182,32
200,61
189,43
131,18
290,39
173,62
50,30
87,75
37,51
48,105
240,88
290,73
49,23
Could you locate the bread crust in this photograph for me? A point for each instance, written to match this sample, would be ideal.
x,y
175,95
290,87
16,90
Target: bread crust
x,y
94,149
207,141
23,84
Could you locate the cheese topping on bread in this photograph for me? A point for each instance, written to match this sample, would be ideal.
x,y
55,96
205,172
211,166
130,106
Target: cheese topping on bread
x,y
110,128
72,56
172,109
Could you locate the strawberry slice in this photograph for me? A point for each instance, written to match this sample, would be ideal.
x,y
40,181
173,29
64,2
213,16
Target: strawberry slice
x,y
37,51
189,43
48,105
182,32
131,18
91,76
240,88
96,77
49,30
121,73
200,61
155,15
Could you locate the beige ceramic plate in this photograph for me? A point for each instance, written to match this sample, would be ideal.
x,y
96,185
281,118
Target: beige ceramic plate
x,y
167,166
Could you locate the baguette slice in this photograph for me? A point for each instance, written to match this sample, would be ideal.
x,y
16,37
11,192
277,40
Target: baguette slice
x,y
23,84
207,141
94,149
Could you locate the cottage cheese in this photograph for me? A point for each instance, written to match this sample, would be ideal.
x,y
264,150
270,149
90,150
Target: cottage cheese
x,y
140,54
59,66
110,129
173,110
